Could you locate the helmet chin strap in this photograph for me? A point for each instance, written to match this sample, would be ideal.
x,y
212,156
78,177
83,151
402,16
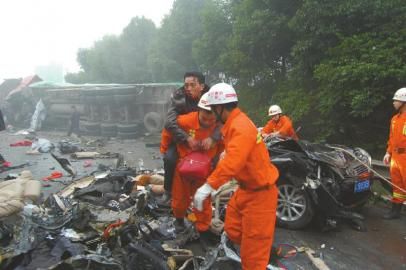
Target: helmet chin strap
x,y
401,107
218,115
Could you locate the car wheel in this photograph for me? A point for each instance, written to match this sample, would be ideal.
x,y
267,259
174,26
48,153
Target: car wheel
x,y
295,209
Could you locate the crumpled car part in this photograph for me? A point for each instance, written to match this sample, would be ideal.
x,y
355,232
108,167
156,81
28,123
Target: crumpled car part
x,y
66,147
89,262
225,251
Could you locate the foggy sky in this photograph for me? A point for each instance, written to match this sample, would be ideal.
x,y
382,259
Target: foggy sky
x,y
40,32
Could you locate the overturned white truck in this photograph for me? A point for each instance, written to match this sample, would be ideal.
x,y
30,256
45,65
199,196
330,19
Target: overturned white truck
x,y
110,110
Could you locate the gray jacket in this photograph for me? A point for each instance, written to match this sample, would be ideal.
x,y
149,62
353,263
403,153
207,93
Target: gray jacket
x,y
182,104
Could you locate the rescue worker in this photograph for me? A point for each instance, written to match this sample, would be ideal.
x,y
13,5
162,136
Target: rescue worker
x,y
279,125
396,154
251,211
183,101
199,125
74,122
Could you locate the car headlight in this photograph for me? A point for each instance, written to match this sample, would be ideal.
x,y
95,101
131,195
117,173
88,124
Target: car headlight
x,y
363,155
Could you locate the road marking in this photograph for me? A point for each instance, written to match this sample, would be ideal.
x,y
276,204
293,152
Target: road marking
x,y
317,262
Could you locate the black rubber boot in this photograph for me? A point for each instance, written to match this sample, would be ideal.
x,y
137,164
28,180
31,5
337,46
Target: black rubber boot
x,y
179,224
165,200
394,213
208,239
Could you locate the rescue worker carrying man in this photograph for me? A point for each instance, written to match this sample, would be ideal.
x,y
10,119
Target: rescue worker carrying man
x,y
199,125
396,153
251,211
279,125
183,100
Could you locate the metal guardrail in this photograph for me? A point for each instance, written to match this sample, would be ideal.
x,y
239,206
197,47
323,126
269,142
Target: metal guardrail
x,y
381,168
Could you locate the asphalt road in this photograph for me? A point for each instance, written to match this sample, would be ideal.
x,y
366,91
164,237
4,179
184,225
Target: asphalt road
x,y
383,246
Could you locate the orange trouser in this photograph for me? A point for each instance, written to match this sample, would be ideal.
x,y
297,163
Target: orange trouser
x,y
398,177
250,223
182,195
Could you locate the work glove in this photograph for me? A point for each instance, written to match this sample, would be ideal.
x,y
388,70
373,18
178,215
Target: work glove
x,y
275,134
386,158
193,144
201,194
207,143
222,155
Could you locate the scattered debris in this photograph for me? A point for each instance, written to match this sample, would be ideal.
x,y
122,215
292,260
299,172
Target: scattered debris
x,y
42,145
21,143
54,175
65,164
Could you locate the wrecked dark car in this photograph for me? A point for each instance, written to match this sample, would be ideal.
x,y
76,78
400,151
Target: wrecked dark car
x,y
327,181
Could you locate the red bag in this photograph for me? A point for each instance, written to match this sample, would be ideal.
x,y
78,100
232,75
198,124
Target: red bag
x,y
195,166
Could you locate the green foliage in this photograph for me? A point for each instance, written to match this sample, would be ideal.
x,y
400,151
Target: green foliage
x,y
332,65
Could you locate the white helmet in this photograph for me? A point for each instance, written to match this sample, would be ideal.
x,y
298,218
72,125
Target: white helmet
x,y
221,93
274,110
203,104
400,95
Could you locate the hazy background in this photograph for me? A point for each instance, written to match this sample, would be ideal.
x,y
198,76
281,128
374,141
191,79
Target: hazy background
x,y
49,32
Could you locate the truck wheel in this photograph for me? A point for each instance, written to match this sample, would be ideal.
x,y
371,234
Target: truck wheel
x,y
90,128
108,129
127,135
295,209
153,122
124,128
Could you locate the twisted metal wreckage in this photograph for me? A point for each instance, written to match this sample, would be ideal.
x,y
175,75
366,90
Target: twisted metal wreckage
x,y
111,220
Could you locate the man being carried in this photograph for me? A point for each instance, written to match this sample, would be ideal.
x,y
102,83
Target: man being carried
x,y
183,101
199,125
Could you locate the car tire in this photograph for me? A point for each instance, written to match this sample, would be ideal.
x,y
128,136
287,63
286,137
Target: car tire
x,y
153,122
291,216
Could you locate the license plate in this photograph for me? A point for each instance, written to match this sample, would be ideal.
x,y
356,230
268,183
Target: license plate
x,y
361,186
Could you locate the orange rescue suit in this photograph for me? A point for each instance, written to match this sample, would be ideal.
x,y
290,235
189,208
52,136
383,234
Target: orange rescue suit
x,y
283,125
251,211
397,150
184,190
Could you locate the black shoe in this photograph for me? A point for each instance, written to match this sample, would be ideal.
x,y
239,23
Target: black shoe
x,y
208,239
179,225
165,200
394,213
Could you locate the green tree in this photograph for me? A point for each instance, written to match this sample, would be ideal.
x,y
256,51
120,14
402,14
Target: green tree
x,y
136,40
171,55
209,48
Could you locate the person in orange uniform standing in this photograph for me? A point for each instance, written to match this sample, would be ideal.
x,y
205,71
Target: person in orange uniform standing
x,y
199,125
396,154
251,211
279,125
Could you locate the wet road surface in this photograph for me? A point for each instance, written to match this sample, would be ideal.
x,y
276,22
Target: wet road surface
x,y
383,246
